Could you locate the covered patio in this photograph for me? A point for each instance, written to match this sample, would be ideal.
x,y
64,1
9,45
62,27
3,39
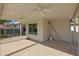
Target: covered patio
x,y
50,29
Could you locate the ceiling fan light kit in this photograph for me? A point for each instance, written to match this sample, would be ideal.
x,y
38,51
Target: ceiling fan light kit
x,y
42,9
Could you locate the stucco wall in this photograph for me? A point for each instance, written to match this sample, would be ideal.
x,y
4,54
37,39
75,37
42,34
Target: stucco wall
x,y
37,37
46,29
62,30
42,30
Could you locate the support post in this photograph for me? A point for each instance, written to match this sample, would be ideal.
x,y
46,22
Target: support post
x,y
74,37
4,32
13,31
0,32
20,30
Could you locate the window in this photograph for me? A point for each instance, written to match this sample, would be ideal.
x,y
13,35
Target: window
x,y
33,29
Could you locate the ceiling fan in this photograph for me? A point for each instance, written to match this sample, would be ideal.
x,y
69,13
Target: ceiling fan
x,y
42,9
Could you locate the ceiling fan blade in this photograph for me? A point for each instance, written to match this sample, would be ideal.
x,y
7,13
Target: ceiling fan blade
x,y
42,9
45,10
42,13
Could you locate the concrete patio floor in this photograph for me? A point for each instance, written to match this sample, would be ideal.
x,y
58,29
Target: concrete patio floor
x,y
11,39
25,47
41,50
8,48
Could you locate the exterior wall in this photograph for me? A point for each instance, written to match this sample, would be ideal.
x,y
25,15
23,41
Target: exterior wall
x,y
46,29
62,29
42,30
37,37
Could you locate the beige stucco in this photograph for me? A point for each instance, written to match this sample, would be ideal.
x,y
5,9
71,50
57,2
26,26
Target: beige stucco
x,y
42,30
62,29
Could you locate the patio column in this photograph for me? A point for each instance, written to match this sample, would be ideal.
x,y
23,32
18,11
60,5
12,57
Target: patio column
x,y
26,31
13,31
0,32
20,30
4,32
78,43
5,29
74,34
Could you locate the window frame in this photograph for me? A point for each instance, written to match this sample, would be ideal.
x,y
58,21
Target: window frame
x,y
33,29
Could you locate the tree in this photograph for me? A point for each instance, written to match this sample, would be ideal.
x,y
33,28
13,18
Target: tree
x,y
3,21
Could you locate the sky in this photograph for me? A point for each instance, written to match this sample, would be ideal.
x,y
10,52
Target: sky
x,y
12,22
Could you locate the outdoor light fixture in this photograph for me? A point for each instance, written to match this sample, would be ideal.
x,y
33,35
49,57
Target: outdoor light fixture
x,y
74,25
71,24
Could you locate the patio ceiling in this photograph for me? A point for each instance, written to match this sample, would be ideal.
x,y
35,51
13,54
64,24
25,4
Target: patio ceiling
x,y
24,12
